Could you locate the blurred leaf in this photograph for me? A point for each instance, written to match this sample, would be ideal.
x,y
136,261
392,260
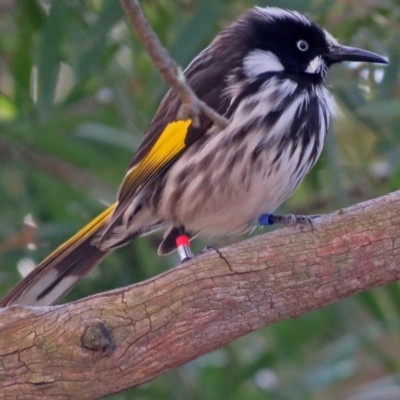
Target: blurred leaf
x,y
96,40
381,110
107,135
50,54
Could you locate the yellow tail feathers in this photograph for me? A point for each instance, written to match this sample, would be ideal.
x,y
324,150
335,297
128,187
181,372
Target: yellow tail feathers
x,y
65,266
93,226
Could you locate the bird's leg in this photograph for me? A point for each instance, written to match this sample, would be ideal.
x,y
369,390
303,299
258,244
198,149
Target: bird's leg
x,y
183,246
288,219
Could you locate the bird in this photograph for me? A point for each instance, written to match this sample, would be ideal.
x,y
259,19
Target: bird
x,y
266,74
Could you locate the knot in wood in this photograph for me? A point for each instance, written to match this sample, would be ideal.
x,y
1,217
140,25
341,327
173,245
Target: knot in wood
x,y
98,337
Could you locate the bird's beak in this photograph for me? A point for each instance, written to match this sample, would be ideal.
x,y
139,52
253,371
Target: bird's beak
x,y
345,53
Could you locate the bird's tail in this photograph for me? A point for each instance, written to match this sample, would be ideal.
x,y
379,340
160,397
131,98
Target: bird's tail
x,y
57,274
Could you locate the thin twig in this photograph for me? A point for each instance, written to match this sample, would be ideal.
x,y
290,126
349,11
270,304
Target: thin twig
x,y
171,74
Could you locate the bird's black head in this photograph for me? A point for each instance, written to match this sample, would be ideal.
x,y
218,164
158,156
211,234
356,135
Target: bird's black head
x,y
281,40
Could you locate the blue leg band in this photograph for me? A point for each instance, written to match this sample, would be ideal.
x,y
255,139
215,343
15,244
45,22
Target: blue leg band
x,y
266,219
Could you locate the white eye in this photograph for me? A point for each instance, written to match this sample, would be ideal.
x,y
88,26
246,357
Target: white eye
x,y
302,45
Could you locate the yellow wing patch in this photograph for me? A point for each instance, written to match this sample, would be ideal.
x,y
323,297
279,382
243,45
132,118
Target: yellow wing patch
x,y
170,143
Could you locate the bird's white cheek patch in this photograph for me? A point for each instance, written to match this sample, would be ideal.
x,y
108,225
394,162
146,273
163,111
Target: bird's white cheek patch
x,y
316,65
259,61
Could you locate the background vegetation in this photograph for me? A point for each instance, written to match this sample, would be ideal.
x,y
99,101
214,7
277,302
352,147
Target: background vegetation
x,y
76,92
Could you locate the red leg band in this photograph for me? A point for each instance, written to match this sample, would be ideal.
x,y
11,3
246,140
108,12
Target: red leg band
x,y
182,240
183,248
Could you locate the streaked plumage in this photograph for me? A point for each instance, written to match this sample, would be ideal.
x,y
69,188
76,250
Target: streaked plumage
x,y
265,73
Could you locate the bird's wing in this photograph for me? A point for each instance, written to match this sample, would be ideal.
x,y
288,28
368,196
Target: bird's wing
x,y
168,137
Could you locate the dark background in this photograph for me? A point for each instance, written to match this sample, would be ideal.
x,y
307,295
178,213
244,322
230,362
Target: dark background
x,y
76,92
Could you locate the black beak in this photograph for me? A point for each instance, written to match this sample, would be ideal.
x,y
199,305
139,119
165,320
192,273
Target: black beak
x,y
344,53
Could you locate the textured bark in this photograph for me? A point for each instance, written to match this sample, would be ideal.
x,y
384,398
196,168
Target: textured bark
x,y
123,338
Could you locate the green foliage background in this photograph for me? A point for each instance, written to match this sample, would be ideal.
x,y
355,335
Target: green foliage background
x,y
76,92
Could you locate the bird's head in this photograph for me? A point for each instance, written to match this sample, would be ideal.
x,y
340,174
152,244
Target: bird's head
x,y
281,40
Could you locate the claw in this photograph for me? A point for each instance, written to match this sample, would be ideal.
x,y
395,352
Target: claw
x,y
208,248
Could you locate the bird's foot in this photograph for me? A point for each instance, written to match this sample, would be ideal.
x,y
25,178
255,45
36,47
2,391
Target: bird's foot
x,y
208,248
288,219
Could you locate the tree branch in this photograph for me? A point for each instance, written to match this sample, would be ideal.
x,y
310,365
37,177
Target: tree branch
x,y
171,74
126,337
